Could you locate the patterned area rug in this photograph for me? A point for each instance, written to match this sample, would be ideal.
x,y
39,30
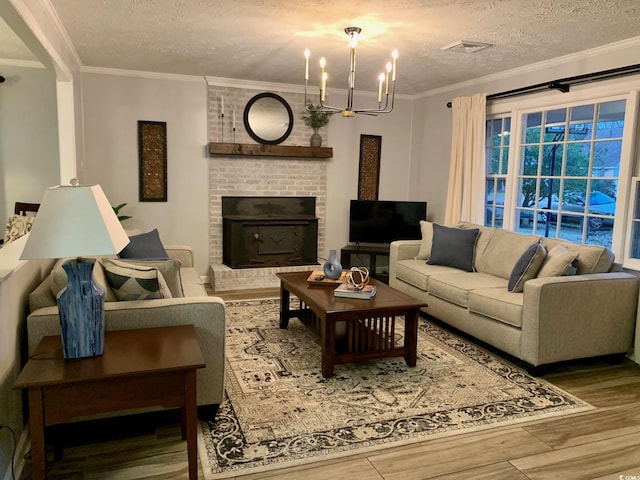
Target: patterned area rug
x,y
279,410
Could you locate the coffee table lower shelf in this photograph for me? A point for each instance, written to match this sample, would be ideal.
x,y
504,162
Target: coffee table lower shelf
x,y
352,330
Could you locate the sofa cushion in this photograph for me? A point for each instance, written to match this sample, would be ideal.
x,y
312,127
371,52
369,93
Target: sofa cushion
x,y
455,287
426,228
497,303
58,279
417,272
502,252
146,246
170,270
135,282
558,262
453,247
591,258
526,267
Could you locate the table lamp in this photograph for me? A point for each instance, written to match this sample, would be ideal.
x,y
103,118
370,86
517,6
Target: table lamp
x,y
74,221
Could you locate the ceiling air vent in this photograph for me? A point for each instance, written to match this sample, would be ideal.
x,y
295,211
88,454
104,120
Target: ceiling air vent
x,y
466,46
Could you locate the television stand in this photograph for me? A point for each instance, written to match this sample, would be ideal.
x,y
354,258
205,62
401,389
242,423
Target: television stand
x,y
353,255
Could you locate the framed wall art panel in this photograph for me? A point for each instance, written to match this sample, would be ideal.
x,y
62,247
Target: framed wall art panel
x,y
369,169
152,158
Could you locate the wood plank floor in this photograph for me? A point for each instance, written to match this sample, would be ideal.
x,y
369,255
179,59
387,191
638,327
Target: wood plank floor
x,y
596,445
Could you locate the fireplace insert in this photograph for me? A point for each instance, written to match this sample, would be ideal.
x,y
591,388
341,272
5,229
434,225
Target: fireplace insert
x,y
269,231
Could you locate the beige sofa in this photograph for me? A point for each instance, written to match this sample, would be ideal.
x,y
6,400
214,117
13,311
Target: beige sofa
x,y
555,318
194,308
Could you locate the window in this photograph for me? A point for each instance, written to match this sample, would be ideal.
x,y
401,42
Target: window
x,y
566,172
497,156
569,164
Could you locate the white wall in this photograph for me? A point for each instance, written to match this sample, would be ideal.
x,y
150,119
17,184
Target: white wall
x,y
113,104
342,172
29,161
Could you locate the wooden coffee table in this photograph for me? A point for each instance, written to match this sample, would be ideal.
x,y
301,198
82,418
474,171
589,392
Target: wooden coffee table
x,y
352,330
139,368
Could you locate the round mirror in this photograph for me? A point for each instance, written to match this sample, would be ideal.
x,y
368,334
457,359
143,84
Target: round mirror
x,y
268,118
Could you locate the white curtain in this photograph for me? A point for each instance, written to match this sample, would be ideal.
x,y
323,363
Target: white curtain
x,y
465,196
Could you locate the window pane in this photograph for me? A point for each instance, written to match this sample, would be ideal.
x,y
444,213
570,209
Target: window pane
x,y
606,158
507,131
533,123
574,196
570,228
610,122
496,132
505,161
578,159
581,123
530,160
528,192
552,159
556,120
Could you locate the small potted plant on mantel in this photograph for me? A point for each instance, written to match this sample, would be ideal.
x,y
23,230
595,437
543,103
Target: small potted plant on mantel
x,y
315,118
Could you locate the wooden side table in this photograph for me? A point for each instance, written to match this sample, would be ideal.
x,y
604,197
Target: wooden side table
x,y
139,368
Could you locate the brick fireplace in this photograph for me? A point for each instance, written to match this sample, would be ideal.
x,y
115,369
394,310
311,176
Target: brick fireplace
x,y
256,176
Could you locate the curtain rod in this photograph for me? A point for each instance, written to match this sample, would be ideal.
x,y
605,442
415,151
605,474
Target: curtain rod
x,y
564,84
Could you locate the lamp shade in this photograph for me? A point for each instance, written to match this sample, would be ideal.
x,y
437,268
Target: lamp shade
x,y
74,221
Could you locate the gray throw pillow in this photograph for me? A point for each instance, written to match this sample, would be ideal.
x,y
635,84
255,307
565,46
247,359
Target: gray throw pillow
x,y
526,267
146,246
453,247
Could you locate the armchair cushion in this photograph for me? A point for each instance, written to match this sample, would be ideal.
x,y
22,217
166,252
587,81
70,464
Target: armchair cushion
x,y
170,270
135,282
146,246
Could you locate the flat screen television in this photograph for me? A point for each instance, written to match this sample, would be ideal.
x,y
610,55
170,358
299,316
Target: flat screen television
x,y
383,221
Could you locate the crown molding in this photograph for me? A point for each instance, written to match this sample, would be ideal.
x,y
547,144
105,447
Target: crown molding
x,y
9,62
534,67
118,72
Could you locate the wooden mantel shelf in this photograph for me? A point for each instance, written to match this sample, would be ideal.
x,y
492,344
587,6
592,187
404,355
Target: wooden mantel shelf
x,y
256,150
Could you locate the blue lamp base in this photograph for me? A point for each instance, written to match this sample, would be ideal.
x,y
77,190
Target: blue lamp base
x,y
81,306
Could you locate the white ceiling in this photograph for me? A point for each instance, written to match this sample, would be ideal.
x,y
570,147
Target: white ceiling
x,y
264,40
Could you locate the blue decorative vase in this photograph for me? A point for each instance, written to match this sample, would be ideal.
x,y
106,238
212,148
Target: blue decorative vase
x,y
332,268
81,306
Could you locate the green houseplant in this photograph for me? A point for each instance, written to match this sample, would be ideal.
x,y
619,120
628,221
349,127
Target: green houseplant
x,y
315,118
117,209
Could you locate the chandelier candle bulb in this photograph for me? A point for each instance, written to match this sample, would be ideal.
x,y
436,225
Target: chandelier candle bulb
x,y
386,89
307,54
323,62
394,54
381,77
323,85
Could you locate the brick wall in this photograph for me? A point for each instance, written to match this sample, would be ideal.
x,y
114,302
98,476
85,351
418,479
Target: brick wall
x,y
255,176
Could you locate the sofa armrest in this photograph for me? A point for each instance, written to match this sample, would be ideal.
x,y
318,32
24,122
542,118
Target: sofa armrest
x,y
578,316
403,250
207,314
184,253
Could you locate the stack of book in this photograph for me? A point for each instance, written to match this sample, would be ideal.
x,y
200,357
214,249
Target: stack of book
x,y
347,291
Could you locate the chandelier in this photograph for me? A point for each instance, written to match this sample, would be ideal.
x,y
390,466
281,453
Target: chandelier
x,y
386,82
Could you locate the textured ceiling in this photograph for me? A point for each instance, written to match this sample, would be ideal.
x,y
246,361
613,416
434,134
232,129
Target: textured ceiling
x,y
264,39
